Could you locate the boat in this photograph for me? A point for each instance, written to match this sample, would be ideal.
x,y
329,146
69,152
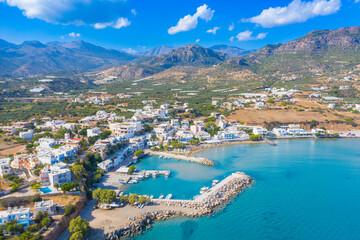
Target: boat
x,y
131,218
203,189
168,197
132,181
167,173
214,182
161,196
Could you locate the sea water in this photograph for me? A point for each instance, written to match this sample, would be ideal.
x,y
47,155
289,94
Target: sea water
x,y
304,189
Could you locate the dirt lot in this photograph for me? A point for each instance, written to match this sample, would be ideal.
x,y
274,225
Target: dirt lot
x,y
257,116
8,149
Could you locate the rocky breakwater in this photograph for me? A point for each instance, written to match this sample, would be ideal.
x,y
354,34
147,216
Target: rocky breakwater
x,y
215,197
203,161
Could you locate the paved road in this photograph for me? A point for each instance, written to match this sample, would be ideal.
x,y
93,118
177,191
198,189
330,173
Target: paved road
x,y
85,214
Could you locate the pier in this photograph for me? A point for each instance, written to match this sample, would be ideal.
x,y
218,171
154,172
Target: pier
x,y
203,161
115,223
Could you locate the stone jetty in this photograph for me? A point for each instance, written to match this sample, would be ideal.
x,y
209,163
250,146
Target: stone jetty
x,y
206,203
203,161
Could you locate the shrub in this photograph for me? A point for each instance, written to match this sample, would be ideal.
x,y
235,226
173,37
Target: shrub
x,y
36,198
69,209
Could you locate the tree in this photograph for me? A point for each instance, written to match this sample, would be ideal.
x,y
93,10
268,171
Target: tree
x,y
79,225
56,185
147,128
139,153
131,169
105,134
92,140
45,222
255,137
37,172
69,209
133,198
104,195
143,199
78,170
77,236
83,132
67,187
15,187
270,101
40,216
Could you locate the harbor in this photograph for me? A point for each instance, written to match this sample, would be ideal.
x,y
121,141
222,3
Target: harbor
x,y
127,221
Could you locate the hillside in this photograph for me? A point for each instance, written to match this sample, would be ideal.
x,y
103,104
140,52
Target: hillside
x,y
33,57
156,51
190,55
318,52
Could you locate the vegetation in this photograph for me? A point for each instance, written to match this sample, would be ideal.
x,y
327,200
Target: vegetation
x,y
139,153
104,195
255,137
36,198
69,209
79,229
131,169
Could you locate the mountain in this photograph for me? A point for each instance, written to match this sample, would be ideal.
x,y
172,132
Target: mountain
x,y
190,55
317,52
231,50
156,51
5,44
33,57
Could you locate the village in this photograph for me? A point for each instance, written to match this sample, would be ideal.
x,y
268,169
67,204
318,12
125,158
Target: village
x,y
54,154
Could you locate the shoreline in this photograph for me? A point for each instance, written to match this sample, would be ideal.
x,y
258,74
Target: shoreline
x,y
161,209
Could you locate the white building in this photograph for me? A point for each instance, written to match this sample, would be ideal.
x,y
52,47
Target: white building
x,y
5,168
92,132
260,105
279,132
51,177
260,131
27,135
45,206
18,214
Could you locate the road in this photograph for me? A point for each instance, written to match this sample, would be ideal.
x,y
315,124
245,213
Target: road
x,y
85,214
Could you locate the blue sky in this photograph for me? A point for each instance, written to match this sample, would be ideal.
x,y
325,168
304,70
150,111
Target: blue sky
x,y
142,24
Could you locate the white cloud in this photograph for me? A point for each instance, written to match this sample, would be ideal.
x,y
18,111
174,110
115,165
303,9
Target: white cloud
x,y
129,50
213,30
357,1
119,23
197,40
76,12
47,10
231,27
74,35
297,11
248,35
231,39
133,11
189,22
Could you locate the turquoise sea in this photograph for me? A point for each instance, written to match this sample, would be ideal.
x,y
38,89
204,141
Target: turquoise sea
x,y
304,189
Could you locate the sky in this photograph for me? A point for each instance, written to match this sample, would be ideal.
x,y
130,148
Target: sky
x,y
137,25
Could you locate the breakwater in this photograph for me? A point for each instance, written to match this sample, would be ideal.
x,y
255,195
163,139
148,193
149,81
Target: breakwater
x,y
203,204
203,161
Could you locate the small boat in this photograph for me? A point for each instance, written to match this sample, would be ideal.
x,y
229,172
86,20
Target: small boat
x,y
214,182
203,189
167,173
168,197
160,156
161,196
131,218
132,181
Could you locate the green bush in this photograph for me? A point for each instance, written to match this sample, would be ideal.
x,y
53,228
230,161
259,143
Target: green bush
x,y
69,209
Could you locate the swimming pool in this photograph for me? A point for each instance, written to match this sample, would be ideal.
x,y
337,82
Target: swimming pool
x,y
45,190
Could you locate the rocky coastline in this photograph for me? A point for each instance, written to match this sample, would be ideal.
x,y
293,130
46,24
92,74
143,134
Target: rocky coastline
x,y
216,197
